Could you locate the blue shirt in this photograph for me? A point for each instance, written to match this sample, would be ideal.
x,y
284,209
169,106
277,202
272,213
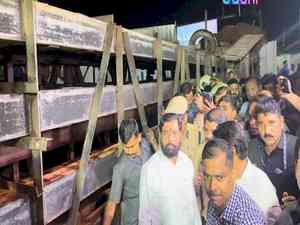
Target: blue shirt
x,y
285,71
240,210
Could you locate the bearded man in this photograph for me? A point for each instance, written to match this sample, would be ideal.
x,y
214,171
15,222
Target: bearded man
x,y
167,192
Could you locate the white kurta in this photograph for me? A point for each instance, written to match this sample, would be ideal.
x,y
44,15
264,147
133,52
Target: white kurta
x,y
259,187
167,194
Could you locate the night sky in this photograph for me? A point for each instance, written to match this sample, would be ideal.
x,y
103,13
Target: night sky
x,y
278,15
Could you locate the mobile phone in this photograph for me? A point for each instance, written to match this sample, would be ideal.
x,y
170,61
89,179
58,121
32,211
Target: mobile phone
x,y
207,96
285,86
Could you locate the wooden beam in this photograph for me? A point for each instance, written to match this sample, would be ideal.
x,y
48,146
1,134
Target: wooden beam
x,y
206,64
187,66
183,65
137,92
210,64
33,143
198,58
120,80
159,68
37,159
29,34
177,69
80,178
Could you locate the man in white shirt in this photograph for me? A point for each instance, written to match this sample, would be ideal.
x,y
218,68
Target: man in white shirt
x,y
167,193
252,179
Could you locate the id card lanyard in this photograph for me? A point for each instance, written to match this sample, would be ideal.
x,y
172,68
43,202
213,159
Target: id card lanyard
x,y
284,152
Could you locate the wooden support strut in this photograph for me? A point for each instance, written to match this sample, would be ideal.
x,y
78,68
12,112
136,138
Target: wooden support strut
x,y
137,92
206,64
32,100
177,70
120,80
182,67
96,100
187,66
198,58
34,143
159,65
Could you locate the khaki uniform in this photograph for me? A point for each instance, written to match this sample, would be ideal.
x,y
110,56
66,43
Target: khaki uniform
x,y
193,142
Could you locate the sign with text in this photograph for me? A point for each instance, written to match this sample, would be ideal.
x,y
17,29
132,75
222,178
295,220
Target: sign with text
x,y
240,2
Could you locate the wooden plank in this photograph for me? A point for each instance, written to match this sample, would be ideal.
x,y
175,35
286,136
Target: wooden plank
x,y
120,81
80,178
37,160
33,143
209,57
198,58
187,66
159,68
137,92
177,70
182,67
29,34
206,64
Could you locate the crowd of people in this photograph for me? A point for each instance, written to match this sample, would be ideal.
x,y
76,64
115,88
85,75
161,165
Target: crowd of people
x,y
229,155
